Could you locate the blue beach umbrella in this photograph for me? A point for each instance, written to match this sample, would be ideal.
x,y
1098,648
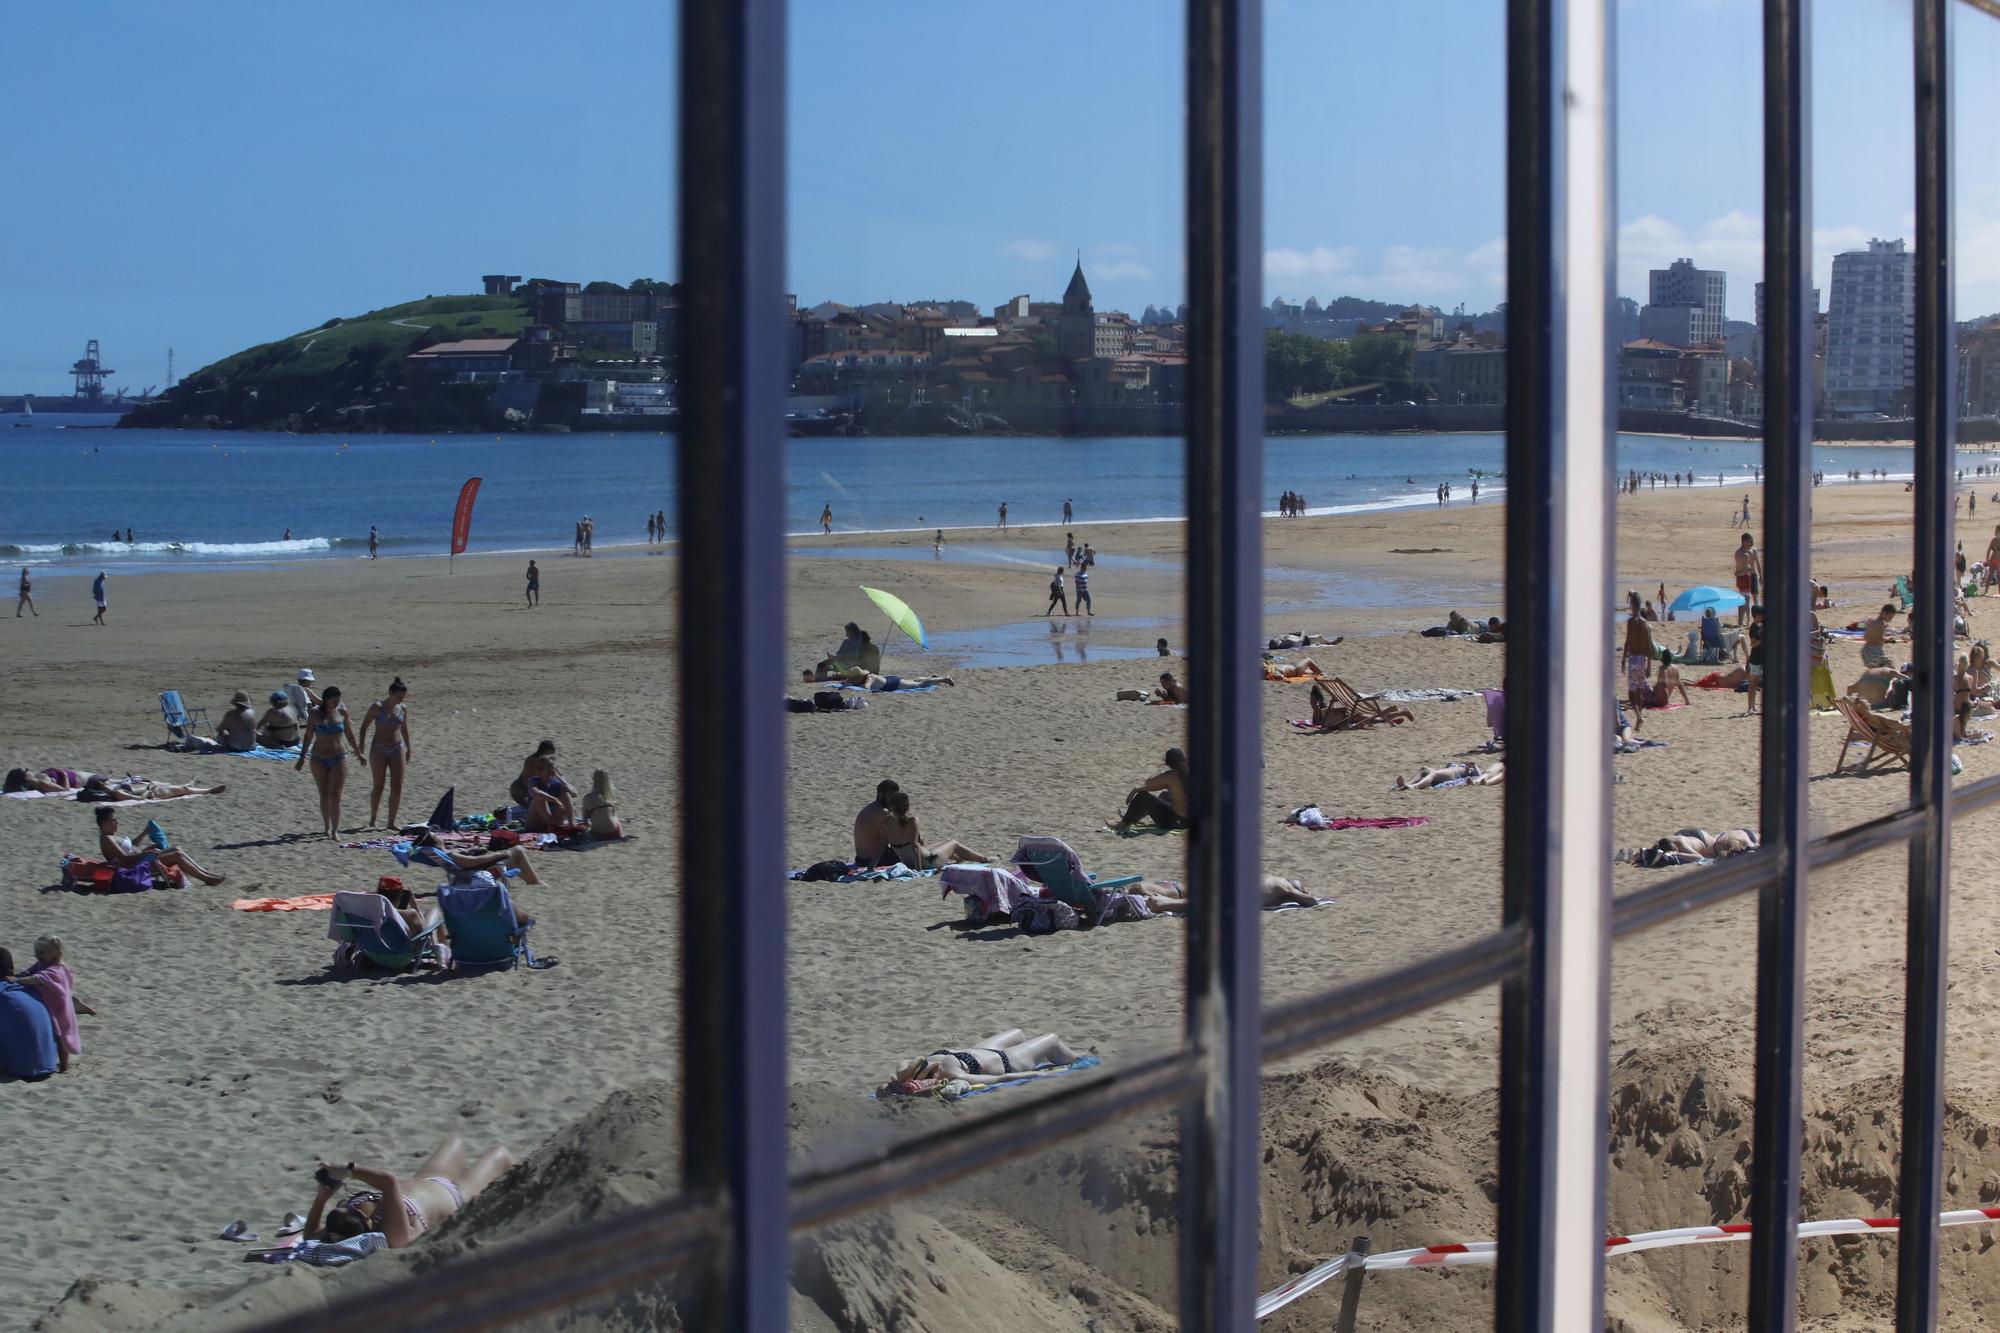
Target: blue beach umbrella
x,y
1703,596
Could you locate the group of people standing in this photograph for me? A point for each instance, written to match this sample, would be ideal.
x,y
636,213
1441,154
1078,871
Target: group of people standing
x,y
328,736
586,532
25,597
1291,504
1080,559
656,526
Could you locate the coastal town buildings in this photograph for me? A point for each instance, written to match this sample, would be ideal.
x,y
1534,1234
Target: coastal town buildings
x,y
1684,304
1871,330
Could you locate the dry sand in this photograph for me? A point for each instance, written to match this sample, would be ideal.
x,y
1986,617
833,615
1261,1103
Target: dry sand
x,y
226,1061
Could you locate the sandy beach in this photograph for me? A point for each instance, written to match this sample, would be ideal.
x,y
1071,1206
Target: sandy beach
x,y
227,1060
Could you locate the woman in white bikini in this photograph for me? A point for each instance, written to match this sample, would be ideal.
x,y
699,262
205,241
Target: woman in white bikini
x,y
401,1210
391,751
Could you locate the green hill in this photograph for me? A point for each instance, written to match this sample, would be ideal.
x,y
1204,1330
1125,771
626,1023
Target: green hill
x,y
345,366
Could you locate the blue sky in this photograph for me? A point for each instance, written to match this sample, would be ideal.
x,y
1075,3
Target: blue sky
x,y
215,176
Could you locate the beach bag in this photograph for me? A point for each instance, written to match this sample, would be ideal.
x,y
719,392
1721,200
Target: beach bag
x,y
1114,906
824,872
1046,916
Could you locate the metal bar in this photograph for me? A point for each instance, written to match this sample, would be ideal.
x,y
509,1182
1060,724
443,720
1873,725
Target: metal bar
x,y
732,598
1920,1189
1974,796
1219,1136
1556,849
1350,1286
1788,433
1356,1006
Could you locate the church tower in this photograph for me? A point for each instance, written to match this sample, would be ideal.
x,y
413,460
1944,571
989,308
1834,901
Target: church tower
x,y
1076,327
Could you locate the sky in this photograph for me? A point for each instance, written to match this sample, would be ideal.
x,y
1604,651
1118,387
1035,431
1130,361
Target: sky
x,y
209,178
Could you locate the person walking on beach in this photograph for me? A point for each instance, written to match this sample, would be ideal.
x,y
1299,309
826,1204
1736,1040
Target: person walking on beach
x,y
1003,516
534,584
937,545
589,534
1069,514
1083,603
826,520
374,542
1749,568
97,595
576,546
649,529
27,595
1056,596
1639,656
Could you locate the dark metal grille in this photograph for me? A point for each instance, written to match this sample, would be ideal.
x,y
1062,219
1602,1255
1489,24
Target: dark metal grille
x,y
1549,953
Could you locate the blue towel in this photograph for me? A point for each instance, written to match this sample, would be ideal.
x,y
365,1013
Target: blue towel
x,y
261,752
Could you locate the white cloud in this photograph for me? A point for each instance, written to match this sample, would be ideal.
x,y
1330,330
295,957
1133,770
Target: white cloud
x,y
1027,248
1437,275
1120,270
1308,268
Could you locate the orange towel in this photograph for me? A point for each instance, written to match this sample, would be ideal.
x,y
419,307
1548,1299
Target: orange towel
x,y
305,902
1291,678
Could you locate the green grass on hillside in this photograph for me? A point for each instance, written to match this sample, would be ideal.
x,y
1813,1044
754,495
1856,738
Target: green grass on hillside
x,y
377,336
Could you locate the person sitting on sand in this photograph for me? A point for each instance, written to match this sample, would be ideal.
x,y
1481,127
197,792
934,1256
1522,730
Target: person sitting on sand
x,y
1001,1058
517,790
1874,637
1467,771
1168,691
1690,846
131,868
97,788
28,1046
1162,649
1457,624
397,1210
236,731
1666,682
278,729
873,827
55,986
1495,631
551,800
1162,798
600,807
906,842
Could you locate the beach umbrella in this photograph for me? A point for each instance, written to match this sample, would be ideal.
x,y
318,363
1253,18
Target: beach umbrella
x,y
899,613
1703,596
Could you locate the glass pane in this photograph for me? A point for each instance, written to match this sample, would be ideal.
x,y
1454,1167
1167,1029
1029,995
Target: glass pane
x,y
1385,368
986,411
1388,1136
307,297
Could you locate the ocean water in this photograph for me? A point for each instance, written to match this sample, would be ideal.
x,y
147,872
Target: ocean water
x,y
194,499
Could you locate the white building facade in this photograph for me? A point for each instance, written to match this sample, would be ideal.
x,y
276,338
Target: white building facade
x,y
1871,330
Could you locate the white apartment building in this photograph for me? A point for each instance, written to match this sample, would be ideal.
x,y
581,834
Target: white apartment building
x,y
1871,330
1684,304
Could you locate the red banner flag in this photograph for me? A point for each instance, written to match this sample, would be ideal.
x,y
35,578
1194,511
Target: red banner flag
x,y
461,522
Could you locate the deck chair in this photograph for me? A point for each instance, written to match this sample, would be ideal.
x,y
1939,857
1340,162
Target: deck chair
x,y
1364,712
437,858
1888,738
1904,593
479,918
181,719
366,926
1054,865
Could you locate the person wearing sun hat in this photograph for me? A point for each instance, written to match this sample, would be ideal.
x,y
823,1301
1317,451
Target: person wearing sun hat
x,y
304,698
278,729
237,729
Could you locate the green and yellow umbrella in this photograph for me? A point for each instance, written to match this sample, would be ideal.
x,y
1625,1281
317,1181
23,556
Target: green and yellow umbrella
x,y
899,613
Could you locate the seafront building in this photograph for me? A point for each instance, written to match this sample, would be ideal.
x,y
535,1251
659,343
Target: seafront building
x,y
1871,331
1684,304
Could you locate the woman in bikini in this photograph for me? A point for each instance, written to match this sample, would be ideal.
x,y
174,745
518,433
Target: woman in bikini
x,y
600,807
391,751
126,860
906,842
48,781
1001,1058
401,1210
332,737
550,799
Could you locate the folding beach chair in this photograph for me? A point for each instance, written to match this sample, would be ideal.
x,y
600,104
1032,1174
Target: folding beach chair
x,y
1888,738
1364,712
367,926
437,858
479,918
1054,865
181,719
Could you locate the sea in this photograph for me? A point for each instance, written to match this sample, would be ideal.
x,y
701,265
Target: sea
x,y
195,499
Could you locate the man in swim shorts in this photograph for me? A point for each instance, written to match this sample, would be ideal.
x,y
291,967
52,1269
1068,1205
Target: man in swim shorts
x,y
1749,568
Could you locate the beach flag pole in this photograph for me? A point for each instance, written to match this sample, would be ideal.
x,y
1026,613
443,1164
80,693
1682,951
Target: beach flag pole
x,y
461,522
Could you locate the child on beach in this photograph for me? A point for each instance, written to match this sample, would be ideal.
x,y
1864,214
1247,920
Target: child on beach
x,y
55,986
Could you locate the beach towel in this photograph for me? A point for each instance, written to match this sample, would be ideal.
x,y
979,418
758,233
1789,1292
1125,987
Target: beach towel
x,y
952,1090
900,689
322,1253
304,902
1424,695
1664,708
256,752
37,795
989,891
1627,747
84,874
1312,817
56,990
1287,674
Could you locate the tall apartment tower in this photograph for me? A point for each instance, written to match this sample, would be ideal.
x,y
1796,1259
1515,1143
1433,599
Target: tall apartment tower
x,y
1684,304
1871,345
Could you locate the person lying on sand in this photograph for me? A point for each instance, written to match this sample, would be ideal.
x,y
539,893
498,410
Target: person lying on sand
x,y
1301,639
1490,776
1001,1058
132,787
48,781
906,842
878,684
1690,846
118,852
1172,897
398,1210
1495,631
1162,798
1882,687
513,858
1286,673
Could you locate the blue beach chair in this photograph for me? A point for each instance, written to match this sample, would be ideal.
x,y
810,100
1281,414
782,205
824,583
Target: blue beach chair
x,y
439,859
367,926
181,719
479,917
1055,865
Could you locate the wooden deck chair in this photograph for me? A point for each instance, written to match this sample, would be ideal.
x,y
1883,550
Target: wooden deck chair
x,y
1888,738
1364,712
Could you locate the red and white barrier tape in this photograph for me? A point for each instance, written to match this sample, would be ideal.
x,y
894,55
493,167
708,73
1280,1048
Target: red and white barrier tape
x,y
1484,1252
